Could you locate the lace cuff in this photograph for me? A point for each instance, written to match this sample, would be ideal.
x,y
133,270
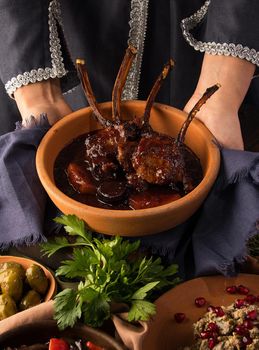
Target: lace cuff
x,y
219,47
61,63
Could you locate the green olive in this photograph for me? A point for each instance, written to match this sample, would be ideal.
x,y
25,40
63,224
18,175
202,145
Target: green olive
x,y
37,278
7,306
31,299
14,266
12,284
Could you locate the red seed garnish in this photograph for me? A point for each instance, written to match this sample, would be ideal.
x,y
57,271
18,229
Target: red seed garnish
x,y
212,327
252,315
241,330
179,317
242,289
239,303
251,299
205,335
200,301
219,311
247,340
248,324
211,308
211,343
231,289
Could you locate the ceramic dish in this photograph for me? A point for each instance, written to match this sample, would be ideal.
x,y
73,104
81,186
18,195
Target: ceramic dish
x,y
129,222
164,333
42,331
26,262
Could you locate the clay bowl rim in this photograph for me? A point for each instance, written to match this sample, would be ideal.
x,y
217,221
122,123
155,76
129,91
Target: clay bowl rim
x,y
26,262
52,325
211,174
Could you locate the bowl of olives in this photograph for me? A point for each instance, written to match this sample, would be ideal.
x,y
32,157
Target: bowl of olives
x,y
24,283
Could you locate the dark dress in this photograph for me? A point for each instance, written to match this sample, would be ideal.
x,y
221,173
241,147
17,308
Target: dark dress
x,y
41,39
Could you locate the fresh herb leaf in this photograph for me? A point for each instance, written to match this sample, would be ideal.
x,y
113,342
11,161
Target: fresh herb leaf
x,y
141,293
79,266
97,309
68,308
51,247
74,226
141,310
111,271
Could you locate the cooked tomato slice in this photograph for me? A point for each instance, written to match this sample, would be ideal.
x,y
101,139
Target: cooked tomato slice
x,y
58,344
92,346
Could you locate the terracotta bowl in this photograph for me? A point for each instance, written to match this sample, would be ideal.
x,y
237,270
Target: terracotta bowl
x,y
141,222
42,331
26,262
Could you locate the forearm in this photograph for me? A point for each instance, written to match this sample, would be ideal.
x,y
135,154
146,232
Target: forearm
x,y
234,75
220,114
42,97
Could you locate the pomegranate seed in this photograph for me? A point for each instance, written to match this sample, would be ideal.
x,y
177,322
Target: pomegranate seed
x,y
250,299
211,343
252,315
205,335
211,308
179,317
248,324
231,289
241,330
219,311
212,327
200,301
247,340
242,289
239,303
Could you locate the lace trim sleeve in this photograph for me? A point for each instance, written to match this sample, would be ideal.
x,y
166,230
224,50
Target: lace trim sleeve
x,y
57,69
213,48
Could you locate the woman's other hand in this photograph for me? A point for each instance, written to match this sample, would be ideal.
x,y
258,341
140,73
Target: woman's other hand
x,y
42,97
220,113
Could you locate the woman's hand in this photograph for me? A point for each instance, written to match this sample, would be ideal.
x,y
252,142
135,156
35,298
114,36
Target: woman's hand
x,y
220,114
42,97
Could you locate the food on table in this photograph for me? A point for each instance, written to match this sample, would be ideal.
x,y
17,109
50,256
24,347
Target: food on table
x,y
20,288
11,265
200,301
235,327
7,306
60,344
12,285
37,279
110,167
179,317
31,298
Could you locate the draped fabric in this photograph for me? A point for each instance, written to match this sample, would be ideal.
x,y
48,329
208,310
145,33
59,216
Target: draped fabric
x,y
98,31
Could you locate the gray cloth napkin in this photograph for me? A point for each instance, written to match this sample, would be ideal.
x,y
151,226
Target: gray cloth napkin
x,y
212,241
22,197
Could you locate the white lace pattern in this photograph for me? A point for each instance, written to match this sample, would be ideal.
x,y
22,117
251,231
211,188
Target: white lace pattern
x,y
58,69
137,34
213,48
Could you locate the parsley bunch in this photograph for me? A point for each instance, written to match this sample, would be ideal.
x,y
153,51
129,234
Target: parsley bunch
x,y
110,271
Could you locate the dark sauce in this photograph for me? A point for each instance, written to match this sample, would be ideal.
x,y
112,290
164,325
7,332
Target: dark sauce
x,y
154,195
